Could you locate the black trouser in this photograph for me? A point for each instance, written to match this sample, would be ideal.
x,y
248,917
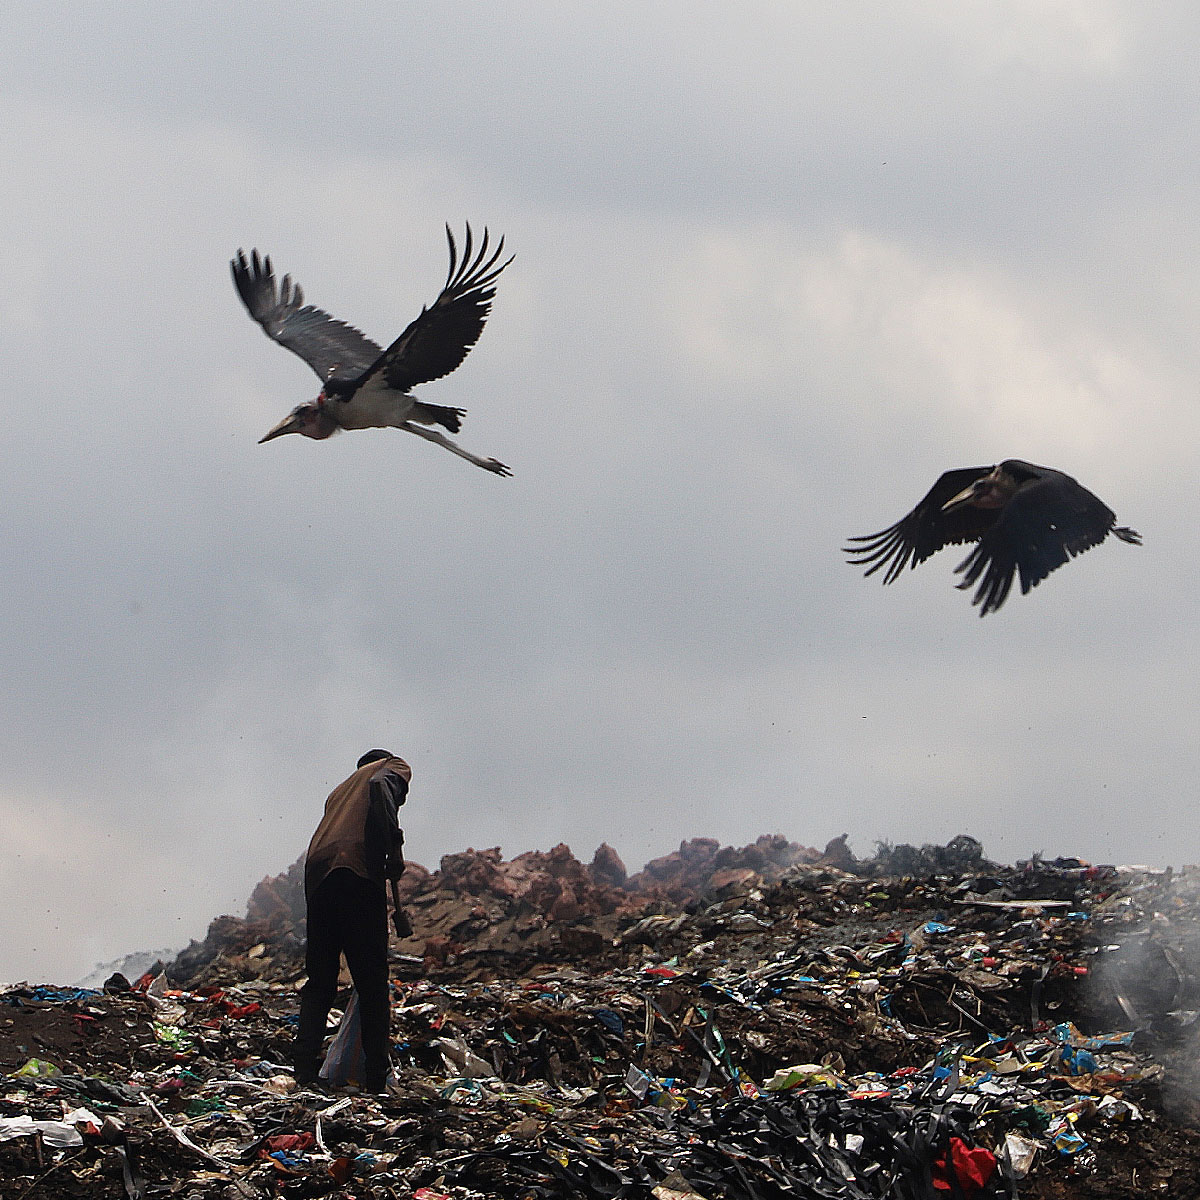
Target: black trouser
x,y
346,914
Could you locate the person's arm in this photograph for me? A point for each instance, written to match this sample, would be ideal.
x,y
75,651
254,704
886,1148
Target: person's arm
x,y
389,790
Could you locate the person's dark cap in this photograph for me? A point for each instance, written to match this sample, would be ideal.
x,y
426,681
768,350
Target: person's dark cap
x,y
374,756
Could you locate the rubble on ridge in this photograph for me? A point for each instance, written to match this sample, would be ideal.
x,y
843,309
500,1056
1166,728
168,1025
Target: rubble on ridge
x,y
541,906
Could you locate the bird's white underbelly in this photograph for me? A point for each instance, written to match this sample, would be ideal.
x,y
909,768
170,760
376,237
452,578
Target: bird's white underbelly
x,y
376,406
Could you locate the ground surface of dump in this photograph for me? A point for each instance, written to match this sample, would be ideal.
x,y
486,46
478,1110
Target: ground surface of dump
x,y
755,1022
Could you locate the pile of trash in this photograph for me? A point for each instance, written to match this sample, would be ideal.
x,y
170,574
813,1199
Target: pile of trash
x,y
479,911
769,1021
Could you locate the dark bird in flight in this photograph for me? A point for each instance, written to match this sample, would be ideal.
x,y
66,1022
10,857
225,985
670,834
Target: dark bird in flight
x,y
365,387
1022,518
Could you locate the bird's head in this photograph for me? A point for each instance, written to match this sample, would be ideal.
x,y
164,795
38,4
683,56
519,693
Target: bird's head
x,y
993,490
311,419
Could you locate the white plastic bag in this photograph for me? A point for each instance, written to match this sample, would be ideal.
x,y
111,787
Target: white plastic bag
x,y
345,1062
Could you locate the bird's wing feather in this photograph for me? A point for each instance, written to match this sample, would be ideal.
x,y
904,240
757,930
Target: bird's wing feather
x,y
1045,524
926,529
332,348
439,339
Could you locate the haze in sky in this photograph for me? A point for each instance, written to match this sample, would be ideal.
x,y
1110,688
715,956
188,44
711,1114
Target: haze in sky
x,y
777,268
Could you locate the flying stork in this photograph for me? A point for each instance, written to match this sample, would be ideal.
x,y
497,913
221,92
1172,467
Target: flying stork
x,y
1023,519
365,387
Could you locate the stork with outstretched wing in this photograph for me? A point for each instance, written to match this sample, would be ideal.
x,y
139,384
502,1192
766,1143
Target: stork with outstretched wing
x,y
364,386
1025,520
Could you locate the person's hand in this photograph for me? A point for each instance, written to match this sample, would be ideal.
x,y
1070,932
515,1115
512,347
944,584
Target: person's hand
x,y
401,924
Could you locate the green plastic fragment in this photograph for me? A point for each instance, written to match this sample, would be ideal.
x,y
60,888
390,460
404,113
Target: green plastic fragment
x,y
37,1068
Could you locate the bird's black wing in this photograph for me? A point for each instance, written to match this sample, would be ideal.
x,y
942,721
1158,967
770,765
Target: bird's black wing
x,y
1046,523
926,529
332,348
439,339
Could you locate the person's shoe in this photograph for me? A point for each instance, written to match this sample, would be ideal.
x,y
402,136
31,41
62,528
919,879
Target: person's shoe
x,y
307,1077
376,1084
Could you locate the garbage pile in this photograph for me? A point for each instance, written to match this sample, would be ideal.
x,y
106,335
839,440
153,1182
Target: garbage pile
x,y
478,909
726,1023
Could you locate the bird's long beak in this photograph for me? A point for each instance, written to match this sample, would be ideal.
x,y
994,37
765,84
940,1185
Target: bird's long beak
x,y
966,496
289,424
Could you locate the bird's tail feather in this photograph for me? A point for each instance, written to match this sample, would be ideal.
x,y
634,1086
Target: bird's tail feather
x,y
1127,535
438,414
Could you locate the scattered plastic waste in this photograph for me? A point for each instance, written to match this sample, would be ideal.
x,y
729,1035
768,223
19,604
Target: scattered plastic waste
x,y
53,1133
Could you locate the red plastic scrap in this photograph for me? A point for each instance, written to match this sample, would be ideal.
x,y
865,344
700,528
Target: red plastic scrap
x,y
282,1150
291,1143
241,1010
84,1023
972,1168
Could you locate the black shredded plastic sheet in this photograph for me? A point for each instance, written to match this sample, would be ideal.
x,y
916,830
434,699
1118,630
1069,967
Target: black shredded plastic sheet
x,y
818,1145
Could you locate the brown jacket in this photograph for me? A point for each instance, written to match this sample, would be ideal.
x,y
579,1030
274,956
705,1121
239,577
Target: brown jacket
x,y
359,829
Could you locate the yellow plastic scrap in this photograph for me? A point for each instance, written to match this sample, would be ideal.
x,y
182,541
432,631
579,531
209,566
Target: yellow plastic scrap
x,y
669,1098
803,1075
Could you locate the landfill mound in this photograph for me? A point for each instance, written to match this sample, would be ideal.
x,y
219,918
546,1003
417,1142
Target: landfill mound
x,y
478,909
757,1022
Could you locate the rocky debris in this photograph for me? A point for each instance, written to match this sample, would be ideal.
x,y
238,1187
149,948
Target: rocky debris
x,y
607,867
997,1031
962,853
544,903
837,853
703,865
278,900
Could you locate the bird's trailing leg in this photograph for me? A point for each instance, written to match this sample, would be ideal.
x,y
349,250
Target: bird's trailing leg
x,y
432,435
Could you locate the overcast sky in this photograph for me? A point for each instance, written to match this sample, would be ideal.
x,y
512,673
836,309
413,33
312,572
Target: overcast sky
x,y
778,266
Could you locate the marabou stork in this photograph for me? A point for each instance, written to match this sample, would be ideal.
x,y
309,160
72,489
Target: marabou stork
x,y
365,387
1023,518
